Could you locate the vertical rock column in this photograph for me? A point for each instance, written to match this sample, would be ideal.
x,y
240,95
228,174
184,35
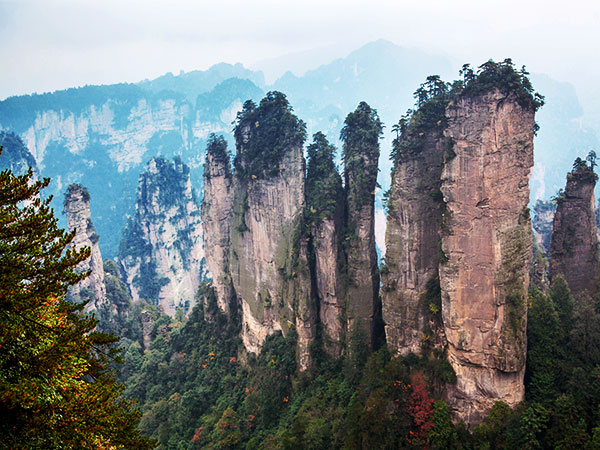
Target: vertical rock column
x,y
268,256
77,209
325,202
574,245
486,246
161,252
361,134
216,219
410,285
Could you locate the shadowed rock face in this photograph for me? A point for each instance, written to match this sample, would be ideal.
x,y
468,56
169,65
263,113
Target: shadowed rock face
x,y
574,248
216,220
412,243
77,209
161,252
268,256
487,248
325,212
361,157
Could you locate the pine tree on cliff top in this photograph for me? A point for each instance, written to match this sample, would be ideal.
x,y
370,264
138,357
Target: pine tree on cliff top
x,y
56,390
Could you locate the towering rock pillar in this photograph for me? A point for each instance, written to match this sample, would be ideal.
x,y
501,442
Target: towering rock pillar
x,y
77,209
410,283
486,245
574,245
161,250
325,202
216,219
361,134
268,256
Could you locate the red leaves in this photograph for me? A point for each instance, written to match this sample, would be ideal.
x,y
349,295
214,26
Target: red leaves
x,y
420,409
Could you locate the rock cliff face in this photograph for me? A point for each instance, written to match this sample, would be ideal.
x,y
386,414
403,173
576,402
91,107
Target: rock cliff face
x,y
413,230
268,256
77,209
486,249
161,252
543,216
325,201
216,220
574,248
103,135
15,155
361,156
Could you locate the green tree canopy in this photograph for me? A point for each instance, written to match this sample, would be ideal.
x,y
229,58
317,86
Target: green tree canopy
x,y
56,390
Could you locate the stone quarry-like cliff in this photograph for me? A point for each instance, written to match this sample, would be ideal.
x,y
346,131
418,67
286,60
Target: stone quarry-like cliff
x,y
459,233
162,253
268,256
361,134
216,220
410,282
77,210
574,247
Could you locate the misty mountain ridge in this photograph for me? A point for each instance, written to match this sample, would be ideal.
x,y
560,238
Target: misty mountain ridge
x,y
102,136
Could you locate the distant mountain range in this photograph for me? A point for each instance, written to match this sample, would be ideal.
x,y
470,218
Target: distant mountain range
x,y
101,136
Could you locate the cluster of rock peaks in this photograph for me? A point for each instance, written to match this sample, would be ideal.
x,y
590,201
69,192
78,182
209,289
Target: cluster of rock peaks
x,y
275,252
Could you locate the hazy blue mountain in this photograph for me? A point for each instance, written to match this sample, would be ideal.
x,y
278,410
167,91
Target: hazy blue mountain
x,y
102,136
562,137
191,84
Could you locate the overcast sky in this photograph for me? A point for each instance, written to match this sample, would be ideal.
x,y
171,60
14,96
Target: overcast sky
x,y
53,44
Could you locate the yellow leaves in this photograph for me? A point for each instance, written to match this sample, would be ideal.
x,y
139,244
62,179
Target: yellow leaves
x,y
254,177
421,133
313,210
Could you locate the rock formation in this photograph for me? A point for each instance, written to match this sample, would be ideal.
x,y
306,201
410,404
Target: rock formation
x,y
15,155
77,209
216,219
543,216
410,282
325,204
361,134
161,252
268,256
459,234
486,247
574,248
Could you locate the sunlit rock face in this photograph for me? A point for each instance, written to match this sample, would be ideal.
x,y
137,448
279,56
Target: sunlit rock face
x,y
77,210
486,245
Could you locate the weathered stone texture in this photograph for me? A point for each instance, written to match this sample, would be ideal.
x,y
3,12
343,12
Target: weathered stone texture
x,y
77,209
574,248
487,244
217,206
163,253
269,267
412,244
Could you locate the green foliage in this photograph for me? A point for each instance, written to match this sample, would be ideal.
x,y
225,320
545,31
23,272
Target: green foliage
x,y
360,134
15,155
324,191
264,134
502,76
216,150
56,389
